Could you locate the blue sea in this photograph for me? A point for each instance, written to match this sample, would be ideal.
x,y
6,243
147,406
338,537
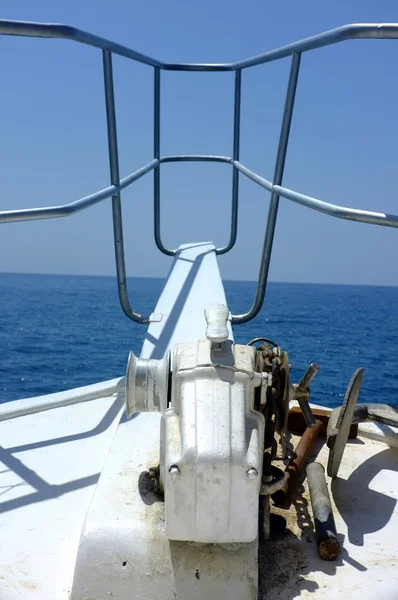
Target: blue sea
x,y
58,332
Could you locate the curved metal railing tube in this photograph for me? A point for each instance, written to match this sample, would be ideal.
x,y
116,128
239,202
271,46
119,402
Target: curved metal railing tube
x,y
381,31
333,210
274,202
115,180
156,173
347,32
65,32
235,172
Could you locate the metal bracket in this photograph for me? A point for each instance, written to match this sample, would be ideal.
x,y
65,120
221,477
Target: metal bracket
x,y
155,317
340,422
380,413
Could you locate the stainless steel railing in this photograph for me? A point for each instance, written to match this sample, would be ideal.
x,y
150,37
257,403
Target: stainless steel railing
x,y
347,32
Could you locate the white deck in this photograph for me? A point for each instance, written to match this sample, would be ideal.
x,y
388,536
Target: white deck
x,y
194,282
364,498
52,461
50,464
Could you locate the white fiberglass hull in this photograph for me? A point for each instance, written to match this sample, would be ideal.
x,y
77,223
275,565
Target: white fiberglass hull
x,y
51,465
77,525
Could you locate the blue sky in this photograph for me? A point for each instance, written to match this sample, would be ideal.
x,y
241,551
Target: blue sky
x,y
343,141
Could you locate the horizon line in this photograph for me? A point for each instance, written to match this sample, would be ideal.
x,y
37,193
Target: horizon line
x,y
224,280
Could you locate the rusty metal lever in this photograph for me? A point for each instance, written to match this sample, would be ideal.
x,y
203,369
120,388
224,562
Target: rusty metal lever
x,y
302,394
340,422
350,414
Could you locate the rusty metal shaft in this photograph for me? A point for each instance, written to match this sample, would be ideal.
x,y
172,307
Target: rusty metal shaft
x,y
302,394
296,464
325,528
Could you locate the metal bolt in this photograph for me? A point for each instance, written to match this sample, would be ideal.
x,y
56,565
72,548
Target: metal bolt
x,y
174,471
252,473
153,472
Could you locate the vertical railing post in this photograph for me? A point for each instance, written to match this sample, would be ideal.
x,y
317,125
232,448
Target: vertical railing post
x,y
235,172
156,172
115,180
274,202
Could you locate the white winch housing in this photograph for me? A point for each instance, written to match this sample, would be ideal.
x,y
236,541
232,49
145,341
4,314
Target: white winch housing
x,y
211,437
212,444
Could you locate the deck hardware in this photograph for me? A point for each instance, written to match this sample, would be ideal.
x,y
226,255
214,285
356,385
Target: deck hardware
x,y
174,471
212,433
325,529
297,425
272,483
216,316
295,464
146,384
252,473
301,393
361,413
340,423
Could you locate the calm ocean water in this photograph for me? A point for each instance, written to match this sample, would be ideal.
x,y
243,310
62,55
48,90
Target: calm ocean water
x,y
59,332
